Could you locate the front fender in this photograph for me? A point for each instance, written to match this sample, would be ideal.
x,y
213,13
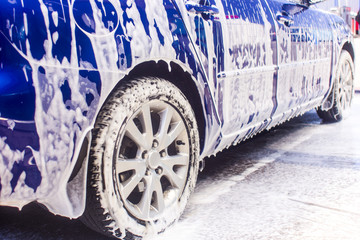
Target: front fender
x,y
342,40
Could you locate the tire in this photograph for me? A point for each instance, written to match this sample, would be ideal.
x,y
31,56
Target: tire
x,y
143,160
343,90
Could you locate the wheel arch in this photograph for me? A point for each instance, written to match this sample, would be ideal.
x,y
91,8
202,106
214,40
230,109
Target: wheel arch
x,y
348,46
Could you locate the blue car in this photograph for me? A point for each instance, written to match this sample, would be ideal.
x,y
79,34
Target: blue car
x,y
109,107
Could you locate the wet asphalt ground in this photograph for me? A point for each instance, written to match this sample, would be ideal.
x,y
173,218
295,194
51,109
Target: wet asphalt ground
x,y
300,180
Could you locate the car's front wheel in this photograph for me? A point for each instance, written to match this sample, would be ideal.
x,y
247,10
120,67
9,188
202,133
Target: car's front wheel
x,y
143,160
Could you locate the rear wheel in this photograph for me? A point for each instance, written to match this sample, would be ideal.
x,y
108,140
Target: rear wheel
x,y
343,90
143,160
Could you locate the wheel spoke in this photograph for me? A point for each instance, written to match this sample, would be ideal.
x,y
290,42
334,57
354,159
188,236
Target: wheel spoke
x,y
345,69
129,186
342,104
159,202
344,100
348,84
174,179
341,96
134,134
348,99
124,165
348,95
347,78
178,160
147,123
345,86
165,117
178,128
145,202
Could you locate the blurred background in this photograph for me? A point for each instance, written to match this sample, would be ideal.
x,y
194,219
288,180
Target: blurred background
x,y
344,8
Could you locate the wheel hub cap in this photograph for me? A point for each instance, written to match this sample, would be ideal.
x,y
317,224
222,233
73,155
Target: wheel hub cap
x,y
153,160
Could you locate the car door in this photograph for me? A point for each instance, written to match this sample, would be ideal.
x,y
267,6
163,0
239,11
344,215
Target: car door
x,y
237,47
304,56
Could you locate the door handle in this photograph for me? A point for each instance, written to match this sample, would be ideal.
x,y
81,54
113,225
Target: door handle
x,y
285,20
198,8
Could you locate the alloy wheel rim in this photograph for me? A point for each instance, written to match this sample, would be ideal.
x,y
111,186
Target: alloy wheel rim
x,y
345,86
152,160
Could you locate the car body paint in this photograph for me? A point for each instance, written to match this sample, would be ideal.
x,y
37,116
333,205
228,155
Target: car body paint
x,y
61,59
